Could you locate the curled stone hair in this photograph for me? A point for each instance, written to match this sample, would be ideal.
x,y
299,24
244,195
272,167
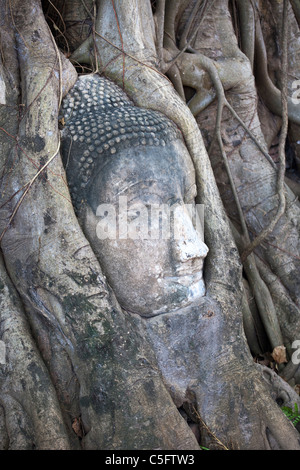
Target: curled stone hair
x,y
100,120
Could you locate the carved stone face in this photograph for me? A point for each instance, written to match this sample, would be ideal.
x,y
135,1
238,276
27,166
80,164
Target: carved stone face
x,y
138,222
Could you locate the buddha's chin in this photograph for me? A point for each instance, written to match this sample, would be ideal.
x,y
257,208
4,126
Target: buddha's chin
x,y
181,292
168,294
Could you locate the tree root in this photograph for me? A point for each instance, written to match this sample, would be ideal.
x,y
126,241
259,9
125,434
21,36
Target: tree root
x,y
208,65
270,94
288,311
250,328
262,295
296,8
282,140
247,29
33,417
159,19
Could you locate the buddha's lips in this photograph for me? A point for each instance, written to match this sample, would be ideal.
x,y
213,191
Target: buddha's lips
x,y
185,280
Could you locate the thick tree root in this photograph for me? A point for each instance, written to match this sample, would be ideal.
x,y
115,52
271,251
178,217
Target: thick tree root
x,y
236,399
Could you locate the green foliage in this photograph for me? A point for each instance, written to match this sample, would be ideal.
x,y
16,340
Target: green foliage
x,y
292,415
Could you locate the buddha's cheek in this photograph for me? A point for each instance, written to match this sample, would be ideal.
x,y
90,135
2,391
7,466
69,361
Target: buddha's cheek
x,y
143,276
134,269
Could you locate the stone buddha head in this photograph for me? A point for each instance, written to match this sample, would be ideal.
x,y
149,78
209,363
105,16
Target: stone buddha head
x,y
133,186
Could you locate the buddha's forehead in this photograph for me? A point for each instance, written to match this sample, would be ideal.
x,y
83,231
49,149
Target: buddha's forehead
x,y
165,171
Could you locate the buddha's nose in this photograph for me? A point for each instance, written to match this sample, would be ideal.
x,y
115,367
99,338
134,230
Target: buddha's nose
x,y
188,240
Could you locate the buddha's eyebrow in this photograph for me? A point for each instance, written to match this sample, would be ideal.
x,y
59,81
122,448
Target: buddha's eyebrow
x,y
136,183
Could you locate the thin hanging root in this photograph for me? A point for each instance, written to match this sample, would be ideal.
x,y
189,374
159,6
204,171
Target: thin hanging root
x,y
185,33
249,327
209,432
57,28
122,43
247,29
83,54
175,76
200,61
296,8
261,294
87,10
13,22
222,102
27,188
160,22
60,72
210,68
282,140
286,307
271,94
168,65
